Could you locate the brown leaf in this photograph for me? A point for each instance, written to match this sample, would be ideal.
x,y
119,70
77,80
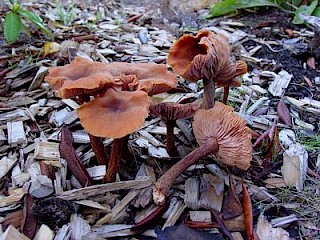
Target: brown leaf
x,y
284,113
14,219
231,206
74,163
308,81
311,62
184,232
29,223
247,210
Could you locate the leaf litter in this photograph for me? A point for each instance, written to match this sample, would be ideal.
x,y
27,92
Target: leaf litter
x,y
279,99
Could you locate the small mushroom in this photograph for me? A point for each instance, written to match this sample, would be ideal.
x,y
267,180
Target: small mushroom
x,y
114,115
218,131
169,113
81,77
205,56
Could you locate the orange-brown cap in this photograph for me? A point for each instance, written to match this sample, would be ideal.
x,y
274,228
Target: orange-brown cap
x,y
206,55
234,138
153,78
80,77
174,111
114,114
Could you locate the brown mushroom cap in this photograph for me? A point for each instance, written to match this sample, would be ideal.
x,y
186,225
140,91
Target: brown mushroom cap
x,y
153,78
234,138
80,77
114,114
83,77
207,55
174,111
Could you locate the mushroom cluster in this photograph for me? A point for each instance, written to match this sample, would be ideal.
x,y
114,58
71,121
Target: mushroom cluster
x,y
206,56
114,97
218,130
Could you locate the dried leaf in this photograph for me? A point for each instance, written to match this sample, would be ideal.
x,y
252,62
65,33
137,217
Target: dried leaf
x,y
184,232
50,47
284,113
308,81
231,204
311,62
247,210
14,219
29,223
74,163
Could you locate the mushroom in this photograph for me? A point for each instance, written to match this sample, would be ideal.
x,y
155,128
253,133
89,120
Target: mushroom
x,y
169,113
115,115
80,78
205,56
120,102
218,131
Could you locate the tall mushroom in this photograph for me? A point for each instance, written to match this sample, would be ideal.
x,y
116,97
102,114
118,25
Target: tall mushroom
x,y
169,113
120,102
206,56
114,114
79,80
218,131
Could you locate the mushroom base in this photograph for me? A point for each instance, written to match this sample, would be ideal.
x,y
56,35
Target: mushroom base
x,y
164,183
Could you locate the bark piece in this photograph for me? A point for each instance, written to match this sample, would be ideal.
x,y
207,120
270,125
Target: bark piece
x,y
16,134
78,194
295,166
44,232
266,231
41,186
192,193
79,227
47,151
13,234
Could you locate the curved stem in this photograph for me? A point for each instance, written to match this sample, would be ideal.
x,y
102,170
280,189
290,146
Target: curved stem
x,y
225,94
114,161
164,183
98,149
209,93
170,138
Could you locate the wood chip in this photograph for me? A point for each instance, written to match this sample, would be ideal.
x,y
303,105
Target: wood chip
x,y
279,85
192,193
266,231
16,134
47,151
78,194
44,232
295,166
12,233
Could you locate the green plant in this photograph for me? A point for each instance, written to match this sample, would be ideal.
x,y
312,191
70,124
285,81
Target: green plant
x,y
66,15
292,6
13,22
310,143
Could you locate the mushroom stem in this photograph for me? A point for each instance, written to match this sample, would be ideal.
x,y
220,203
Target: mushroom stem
x,y
209,93
170,138
225,94
98,149
164,183
114,160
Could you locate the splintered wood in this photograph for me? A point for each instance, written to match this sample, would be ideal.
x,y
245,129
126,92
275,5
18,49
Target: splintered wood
x,y
16,134
47,151
78,194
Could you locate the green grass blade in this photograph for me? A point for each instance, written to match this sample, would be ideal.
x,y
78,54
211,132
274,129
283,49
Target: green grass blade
x,y
37,20
230,6
12,27
308,10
